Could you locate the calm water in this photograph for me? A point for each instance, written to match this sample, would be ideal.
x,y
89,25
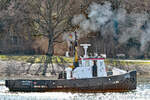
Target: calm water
x,y
141,93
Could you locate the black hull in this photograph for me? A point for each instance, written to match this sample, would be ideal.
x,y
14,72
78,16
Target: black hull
x,y
119,83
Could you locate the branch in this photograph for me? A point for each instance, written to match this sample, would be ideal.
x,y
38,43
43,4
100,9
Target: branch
x,y
58,33
58,41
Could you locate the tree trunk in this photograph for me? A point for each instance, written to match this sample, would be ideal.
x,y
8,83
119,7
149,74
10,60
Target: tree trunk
x,y
50,47
49,54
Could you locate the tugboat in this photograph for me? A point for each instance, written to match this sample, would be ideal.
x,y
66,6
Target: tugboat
x,y
88,74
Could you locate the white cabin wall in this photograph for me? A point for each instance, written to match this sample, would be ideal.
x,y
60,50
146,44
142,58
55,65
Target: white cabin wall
x,y
86,63
101,69
82,72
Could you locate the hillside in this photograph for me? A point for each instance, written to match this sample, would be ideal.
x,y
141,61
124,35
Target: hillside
x,y
124,31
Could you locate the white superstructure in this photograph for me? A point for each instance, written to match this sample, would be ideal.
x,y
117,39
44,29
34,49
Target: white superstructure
x,y
85,70
86,67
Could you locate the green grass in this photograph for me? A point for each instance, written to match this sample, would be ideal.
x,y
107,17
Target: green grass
x,y
35,58
62,59
116,62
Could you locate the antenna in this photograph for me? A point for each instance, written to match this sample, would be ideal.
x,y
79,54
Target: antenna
x,y
85,46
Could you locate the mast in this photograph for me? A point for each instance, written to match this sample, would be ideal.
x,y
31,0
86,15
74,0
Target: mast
x,y
76,63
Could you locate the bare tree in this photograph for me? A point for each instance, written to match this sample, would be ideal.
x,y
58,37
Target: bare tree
x,y
50,18
25,18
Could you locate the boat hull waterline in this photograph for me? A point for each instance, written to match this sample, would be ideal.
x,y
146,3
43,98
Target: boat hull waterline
x,y
117,83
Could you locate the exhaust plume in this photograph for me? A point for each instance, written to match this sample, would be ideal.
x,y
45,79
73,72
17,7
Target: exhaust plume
x,y
118,23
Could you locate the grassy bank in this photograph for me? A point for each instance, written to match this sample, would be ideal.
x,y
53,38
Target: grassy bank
x,y
61,59
116,62
35,58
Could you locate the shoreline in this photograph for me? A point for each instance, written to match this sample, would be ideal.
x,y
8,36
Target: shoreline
x,y
23,70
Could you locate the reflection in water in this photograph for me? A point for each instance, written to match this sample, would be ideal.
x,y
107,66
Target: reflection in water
x,y
141,93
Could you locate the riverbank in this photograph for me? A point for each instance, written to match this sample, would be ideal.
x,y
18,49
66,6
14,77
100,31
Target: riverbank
x,y
19,69
12,69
